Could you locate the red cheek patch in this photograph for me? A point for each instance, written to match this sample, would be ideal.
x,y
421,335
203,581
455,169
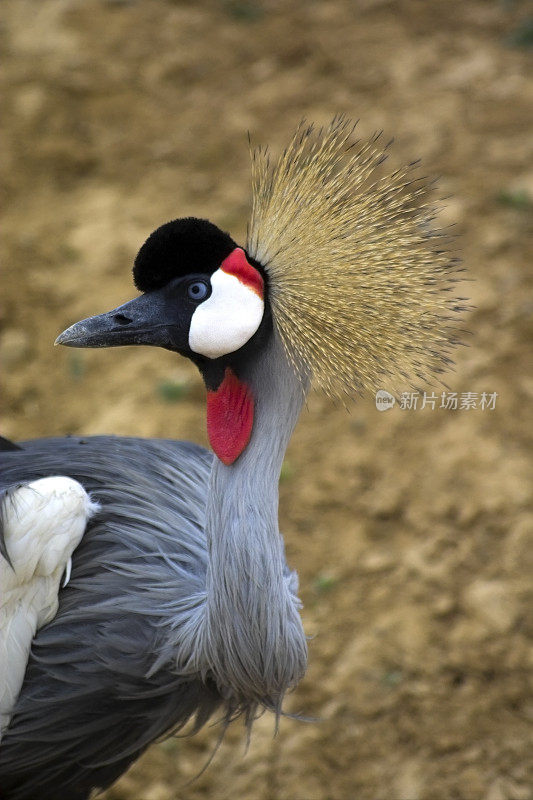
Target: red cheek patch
x,y
236,264
230,417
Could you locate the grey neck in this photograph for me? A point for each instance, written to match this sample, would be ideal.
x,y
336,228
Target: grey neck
x,y
252,634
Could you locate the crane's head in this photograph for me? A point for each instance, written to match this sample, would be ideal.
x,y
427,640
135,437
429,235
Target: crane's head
x,y
342,262
204,298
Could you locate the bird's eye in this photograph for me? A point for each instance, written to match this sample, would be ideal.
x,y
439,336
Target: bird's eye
x,y
198,290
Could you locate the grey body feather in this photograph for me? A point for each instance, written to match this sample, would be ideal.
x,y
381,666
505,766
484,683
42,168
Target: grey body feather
x,y
180,602
91,702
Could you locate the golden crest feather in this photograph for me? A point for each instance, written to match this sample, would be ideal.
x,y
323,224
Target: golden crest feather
x,y
360,283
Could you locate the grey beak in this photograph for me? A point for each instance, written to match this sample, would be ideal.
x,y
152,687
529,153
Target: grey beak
x,y
150,319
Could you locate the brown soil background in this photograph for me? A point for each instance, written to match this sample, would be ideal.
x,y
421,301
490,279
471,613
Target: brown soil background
x,y
411,531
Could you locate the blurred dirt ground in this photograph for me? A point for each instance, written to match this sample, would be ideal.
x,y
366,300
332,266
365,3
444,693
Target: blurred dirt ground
x,y
411,530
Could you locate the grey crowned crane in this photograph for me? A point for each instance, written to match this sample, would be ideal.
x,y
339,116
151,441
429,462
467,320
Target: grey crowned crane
x,y
144,583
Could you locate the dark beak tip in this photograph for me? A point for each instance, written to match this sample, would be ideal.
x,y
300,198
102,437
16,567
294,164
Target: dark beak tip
x,y
66,338
80,334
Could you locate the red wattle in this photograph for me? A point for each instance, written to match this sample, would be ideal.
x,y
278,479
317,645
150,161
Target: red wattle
x,y
237,264
230,417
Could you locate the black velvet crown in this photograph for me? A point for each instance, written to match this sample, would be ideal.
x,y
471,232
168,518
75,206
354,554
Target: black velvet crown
x,y
180,247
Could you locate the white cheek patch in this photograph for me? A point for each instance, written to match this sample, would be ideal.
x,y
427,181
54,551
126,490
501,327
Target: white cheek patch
x,y
227,319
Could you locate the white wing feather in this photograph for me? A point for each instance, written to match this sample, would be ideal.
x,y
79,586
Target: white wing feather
x,y
44,522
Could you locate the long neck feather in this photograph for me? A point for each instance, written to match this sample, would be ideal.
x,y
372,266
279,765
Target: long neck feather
x,y
252,634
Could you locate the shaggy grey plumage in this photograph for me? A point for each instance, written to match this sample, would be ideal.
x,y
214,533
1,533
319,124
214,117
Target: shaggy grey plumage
x,y
180,602
89,704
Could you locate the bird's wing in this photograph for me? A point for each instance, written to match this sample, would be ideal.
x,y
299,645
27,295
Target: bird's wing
x,y
41,523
